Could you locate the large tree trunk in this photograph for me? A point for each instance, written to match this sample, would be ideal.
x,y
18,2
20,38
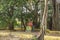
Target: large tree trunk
x,y
54,17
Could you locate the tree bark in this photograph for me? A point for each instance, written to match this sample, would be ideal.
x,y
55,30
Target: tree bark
x,y
54,16
22,20
11,23
46,11
11,26
35,21
44,19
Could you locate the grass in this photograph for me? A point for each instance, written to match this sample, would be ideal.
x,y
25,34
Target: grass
x,y
52,35
18,34
51,38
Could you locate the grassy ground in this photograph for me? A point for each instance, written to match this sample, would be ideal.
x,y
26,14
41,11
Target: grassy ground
x,y
52,35
51,38
15,35
20,34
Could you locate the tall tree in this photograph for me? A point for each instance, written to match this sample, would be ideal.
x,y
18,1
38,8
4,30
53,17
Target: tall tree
x,y
44,19
54,15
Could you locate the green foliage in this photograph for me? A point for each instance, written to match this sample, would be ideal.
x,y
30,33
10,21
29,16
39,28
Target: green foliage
x,y
17,5
4,11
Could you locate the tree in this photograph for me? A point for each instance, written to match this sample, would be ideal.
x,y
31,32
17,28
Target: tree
x,y
44,19
54,15
20,9
8,11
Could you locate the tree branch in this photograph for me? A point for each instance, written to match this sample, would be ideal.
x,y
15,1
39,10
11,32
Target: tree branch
x,y
26,6
37,1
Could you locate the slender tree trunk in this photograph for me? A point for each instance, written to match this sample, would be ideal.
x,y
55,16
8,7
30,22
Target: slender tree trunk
x,y
11,26
35,21
11,23
46,12
44,19
23,23
22,20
